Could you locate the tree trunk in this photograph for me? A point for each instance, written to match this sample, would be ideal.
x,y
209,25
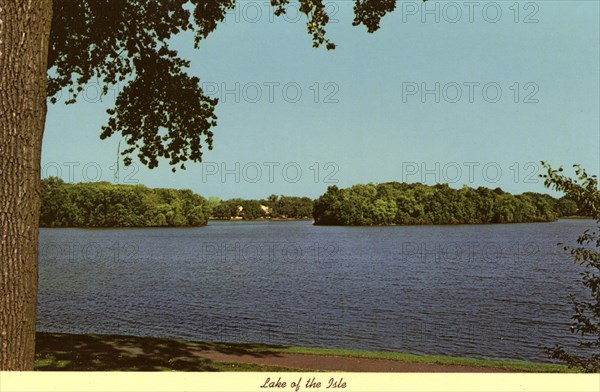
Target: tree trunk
x,y
24,36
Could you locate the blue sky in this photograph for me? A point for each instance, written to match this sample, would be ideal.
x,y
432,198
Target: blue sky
x,y
501,95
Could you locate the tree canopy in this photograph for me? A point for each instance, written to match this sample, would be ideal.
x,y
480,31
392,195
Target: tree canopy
x,y
586,311
277,207
409,204
162,111
102,204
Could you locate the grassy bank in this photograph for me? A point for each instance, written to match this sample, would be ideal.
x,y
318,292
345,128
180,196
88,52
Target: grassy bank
x,y
515,366
127,353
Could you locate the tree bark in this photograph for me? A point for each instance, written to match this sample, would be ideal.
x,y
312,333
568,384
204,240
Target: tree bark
x,y
24,36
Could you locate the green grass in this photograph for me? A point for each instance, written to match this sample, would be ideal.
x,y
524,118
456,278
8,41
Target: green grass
x,y
125,353
515,366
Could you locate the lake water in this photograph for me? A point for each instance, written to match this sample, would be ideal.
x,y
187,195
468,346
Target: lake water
x,y
487,291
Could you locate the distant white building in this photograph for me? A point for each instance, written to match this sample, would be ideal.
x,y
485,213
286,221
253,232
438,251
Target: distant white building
x,y
265,209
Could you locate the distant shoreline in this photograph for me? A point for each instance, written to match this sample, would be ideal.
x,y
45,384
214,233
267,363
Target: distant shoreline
x,y
259,219
310,220
576,217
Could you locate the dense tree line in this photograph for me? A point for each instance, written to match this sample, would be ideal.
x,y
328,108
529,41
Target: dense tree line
x,y
102,204
410,204
277,207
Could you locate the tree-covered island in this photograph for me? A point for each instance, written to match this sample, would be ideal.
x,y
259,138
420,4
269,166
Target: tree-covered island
x,y
102,204
395,203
